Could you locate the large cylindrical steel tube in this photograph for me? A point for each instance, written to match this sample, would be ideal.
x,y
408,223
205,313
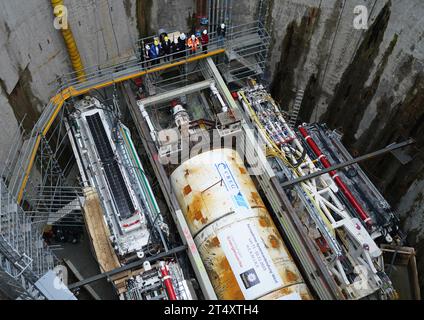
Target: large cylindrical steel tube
x,y
240,246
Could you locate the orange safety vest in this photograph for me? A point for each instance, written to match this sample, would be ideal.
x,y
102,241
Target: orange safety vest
x,y
193,46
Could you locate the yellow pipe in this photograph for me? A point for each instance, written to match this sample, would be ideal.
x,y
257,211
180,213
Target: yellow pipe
x,y
71,45
59,100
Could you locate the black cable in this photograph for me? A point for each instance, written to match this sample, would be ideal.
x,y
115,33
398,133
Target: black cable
x,y
150,234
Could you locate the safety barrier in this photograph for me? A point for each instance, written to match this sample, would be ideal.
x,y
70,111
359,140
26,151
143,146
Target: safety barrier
x,y
97,78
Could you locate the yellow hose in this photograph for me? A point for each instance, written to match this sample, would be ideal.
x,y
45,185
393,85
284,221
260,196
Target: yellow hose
x,y
71,46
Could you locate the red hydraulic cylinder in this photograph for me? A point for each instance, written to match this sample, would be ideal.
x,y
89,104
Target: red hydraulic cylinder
x,y
352,200
167,280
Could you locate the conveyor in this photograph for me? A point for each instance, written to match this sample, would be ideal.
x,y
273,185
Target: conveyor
x,y
114,176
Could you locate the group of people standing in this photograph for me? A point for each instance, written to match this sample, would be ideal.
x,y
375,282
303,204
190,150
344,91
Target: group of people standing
x,y
180,47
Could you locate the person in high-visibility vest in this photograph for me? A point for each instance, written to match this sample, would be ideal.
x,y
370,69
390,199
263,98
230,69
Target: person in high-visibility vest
x,y
193,44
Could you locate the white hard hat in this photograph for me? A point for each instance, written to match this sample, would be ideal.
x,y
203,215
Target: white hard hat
x,y
193,36
223,25
183,36
147,47
205,31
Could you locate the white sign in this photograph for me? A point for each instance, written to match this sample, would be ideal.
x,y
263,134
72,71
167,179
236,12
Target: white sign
x,y
250,262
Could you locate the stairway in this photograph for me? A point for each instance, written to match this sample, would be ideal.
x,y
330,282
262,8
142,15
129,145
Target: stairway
x,y
246,54
296,108
72,207
23,256
15,273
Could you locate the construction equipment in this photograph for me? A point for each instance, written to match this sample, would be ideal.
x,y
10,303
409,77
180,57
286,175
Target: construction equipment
x,y
224,164
343,231
134,225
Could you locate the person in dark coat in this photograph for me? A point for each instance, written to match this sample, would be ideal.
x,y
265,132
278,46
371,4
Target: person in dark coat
x,y
175,49
166,47
182,45
221,32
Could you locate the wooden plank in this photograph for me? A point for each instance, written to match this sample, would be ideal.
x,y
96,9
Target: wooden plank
x,y
99,232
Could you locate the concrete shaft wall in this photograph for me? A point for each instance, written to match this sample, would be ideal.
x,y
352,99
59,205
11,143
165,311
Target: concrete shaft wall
x,y
368,83
33,54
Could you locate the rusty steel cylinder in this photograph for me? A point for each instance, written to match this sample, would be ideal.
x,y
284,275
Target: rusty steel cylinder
x,y
240,246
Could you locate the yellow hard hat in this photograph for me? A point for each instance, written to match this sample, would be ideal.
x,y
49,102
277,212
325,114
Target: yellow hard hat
x,y
166,38
156,42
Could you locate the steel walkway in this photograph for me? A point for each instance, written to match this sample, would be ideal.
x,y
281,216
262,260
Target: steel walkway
x,y
70,86
55,105
98,78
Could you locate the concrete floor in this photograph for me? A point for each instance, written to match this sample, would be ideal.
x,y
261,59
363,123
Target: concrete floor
x,y
81,257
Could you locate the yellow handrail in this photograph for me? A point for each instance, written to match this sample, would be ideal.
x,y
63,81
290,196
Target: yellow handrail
x,y
59,99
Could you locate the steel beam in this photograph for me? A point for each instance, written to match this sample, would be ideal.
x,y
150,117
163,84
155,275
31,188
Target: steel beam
x,y
133,265
368,156
176,93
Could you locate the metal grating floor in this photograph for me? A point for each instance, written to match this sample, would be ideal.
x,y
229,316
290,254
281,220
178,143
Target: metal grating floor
x,y
114,177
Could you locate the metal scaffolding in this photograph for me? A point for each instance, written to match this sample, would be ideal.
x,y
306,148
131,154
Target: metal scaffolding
x,y
35,187
24,257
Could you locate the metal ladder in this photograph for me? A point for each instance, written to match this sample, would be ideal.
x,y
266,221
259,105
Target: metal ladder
x,y
296,108
23,257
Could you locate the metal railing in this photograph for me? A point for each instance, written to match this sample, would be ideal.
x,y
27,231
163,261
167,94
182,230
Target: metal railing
x,y
96,74
97,77
21,231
